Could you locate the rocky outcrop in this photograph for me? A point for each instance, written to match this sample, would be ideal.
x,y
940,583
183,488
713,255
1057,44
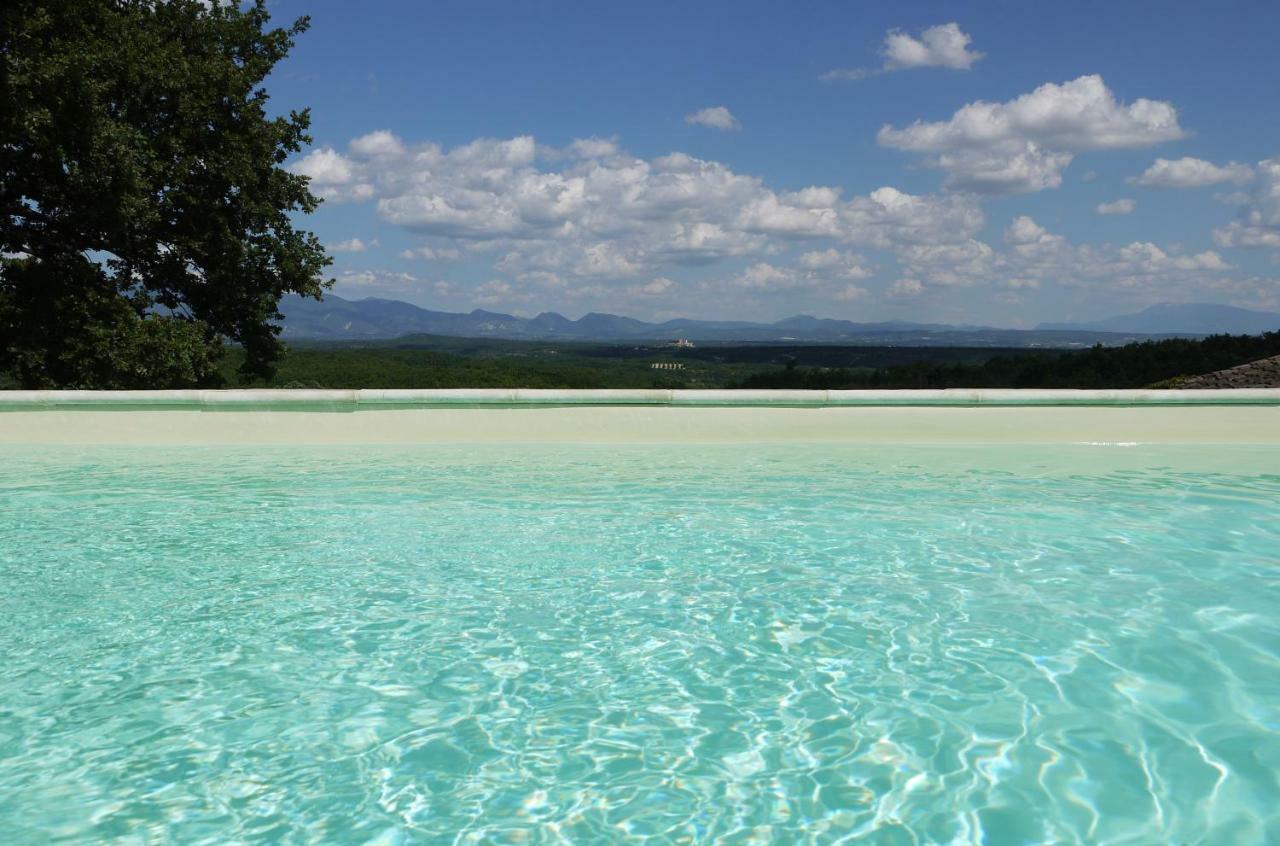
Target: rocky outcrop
x,y
1256,374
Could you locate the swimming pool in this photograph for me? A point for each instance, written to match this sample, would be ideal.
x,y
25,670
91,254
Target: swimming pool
x,y
675,642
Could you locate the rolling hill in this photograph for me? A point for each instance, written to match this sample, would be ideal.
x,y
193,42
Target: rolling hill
x,y
339,319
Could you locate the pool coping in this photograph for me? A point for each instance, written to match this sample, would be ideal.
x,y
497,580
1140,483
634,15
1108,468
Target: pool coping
x,y
354,400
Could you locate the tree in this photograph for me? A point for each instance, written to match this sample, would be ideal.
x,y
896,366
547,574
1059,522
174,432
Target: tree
x,y
146,211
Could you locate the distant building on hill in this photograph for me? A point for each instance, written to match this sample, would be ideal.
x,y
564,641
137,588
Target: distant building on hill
x,y
682,344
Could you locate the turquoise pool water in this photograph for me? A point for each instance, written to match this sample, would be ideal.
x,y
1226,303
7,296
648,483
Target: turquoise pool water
x,y
663,644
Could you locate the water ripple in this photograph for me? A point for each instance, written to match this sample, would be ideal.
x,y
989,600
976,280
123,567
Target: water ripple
x,y
664,645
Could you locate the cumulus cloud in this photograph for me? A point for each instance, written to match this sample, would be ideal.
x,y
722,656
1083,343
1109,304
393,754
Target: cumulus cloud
x,y
1232,198
655,288
968,263
499,292
1121,206
591,223
332,175
1188,172
591,210
943,46
1257,223
904,288
1025,232
1036,254
850,292
764,275
1034,257
882,218
593,148
716,117
431,254
816,269
1024,144
837,263
351,245
380,142
366,282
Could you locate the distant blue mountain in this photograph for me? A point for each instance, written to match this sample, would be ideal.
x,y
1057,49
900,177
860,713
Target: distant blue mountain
x,y
1181,319
336,318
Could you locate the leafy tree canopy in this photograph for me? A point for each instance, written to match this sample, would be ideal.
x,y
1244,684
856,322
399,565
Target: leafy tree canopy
x,y
145,206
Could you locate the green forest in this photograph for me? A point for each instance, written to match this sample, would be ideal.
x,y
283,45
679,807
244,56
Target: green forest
x,y
438,362
1146,364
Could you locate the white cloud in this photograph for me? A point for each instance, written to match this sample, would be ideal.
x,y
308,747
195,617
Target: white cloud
x,y
827,270
1232,198
716,117
591,224
880,219
1121,206
382,280
1036,254
837,263
608,260
333,175
1035,257
1258,221
594,148
1142,255
763,275
950,265
1025,232
770,214
813,197
938,46
591,210
1252,292
849,74
431,254
1188,172
380,142
820,259
544,279
887,216
1082,114
655,288
1014,169
944,46
1024,144
351,245
904,288
498,292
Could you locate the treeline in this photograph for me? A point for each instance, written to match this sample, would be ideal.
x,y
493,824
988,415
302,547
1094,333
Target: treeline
x,y
380,367
1132,366
483,364
357,368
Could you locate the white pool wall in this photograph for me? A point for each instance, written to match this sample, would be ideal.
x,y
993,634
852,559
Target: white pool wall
x,y
631,416
331,399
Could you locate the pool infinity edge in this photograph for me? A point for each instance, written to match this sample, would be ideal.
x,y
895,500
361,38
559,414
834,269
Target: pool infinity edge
x,y
330,400
246,417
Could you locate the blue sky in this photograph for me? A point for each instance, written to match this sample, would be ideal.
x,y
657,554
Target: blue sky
x,y
1001,163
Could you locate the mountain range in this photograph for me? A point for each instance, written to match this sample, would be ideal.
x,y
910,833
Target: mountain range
x,y
1181,319
336,318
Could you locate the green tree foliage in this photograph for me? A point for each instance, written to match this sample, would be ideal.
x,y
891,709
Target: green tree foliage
x,y
146,210
442,362
1131,366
